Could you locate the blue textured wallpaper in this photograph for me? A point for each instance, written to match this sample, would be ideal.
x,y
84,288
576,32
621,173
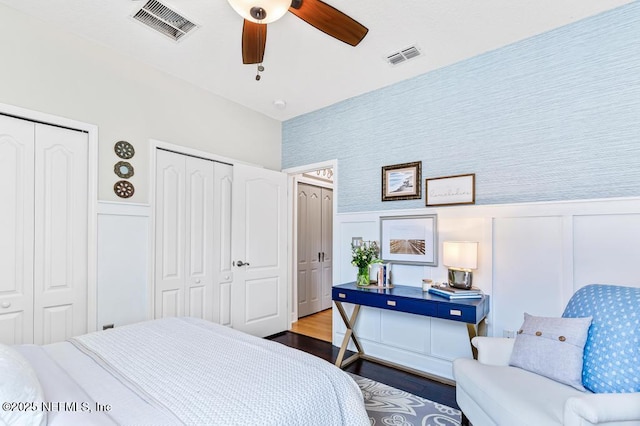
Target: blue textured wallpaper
x,y
553,117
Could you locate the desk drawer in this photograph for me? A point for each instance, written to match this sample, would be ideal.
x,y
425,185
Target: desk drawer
x,y
453,312
393,303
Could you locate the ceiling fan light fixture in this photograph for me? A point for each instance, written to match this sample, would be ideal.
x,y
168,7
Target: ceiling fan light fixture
x,y
261,11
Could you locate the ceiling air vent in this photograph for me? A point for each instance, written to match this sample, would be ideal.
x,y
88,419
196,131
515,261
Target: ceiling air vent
x,y
164,20
403,55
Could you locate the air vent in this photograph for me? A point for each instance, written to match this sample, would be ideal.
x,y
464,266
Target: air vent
x,y
403,55
164,20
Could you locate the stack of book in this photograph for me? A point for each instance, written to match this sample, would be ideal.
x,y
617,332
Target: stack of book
x,y
455,293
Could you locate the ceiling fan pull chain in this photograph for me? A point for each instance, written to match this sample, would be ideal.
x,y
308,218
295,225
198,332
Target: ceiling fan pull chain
x,y
260,67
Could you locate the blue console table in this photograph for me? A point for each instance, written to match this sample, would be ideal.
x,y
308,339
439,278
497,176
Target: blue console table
x,y
408,299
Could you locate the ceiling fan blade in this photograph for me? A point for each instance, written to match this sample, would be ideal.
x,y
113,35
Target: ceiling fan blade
x,y
329,20
254,40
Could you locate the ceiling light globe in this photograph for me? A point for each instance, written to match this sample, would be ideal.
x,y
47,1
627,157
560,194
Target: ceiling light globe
x,y
275,9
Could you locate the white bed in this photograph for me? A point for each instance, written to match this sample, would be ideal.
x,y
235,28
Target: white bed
x,y
174,371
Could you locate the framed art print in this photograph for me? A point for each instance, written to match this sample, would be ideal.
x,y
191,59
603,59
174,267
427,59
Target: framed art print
x,y
402,181
411,240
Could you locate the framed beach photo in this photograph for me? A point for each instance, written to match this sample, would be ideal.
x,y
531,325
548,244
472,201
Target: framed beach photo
x,y
402,181
411,240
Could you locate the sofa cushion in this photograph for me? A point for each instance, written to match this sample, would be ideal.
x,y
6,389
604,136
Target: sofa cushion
x,y
509,395
552,347
612,351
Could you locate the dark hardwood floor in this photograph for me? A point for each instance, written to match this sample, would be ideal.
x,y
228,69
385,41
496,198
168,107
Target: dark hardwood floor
x,y
429,389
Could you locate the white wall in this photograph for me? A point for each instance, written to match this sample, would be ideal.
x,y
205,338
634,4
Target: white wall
x,y
123,263
532,258
46,69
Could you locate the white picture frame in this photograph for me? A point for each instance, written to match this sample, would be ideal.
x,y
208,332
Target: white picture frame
x,y
409,240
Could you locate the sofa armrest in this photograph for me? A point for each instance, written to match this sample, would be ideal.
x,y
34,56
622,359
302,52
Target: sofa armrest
x,y
493,350
602,408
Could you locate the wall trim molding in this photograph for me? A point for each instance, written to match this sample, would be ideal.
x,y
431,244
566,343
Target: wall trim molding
x,y
546,250
123,209
537,208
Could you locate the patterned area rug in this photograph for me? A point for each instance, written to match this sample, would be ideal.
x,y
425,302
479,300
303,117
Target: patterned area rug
x,y
393,407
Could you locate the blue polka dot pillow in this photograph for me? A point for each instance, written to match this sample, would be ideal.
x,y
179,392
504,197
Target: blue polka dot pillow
x,y
611,361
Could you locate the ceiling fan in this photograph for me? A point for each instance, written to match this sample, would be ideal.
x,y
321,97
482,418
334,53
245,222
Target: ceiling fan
x,y
258,13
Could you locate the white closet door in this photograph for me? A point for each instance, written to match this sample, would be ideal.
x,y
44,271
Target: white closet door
x,y
223,183
16,230
169,234
184,271
199,236
60,252
259,229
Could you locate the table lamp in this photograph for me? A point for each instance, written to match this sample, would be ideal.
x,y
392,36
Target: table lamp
x,y
460,257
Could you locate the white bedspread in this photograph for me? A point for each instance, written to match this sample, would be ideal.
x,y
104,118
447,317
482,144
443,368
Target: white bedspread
x,y
200,373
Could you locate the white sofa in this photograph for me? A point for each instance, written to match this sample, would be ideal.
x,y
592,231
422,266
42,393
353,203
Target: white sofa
x,y
490,392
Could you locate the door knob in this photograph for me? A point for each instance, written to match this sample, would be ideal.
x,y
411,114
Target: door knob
x,y
241,263
6,304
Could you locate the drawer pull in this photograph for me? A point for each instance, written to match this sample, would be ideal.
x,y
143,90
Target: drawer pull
x,y
455,312
342,295
6,305
391,302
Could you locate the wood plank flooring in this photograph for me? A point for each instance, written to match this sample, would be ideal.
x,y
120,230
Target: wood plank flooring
x,y
317,325
429,389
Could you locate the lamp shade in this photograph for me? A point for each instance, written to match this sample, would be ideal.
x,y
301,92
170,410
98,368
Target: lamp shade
x,y
460,254
271,9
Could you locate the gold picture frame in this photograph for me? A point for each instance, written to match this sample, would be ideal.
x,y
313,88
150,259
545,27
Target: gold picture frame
x,y
402,181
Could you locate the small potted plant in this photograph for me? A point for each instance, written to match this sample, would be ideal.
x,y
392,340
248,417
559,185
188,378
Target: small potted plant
x,y
363,256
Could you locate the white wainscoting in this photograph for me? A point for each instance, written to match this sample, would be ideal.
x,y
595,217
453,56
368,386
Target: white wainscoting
x,y
123,263
532,258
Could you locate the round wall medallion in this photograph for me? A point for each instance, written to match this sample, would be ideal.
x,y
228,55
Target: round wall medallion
x,y
123,169
123,189
124,149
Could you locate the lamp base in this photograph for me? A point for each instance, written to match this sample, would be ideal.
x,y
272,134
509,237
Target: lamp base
x,y
460,279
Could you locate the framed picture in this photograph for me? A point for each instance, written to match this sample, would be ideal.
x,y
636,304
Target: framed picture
x,y
402,181
450,190
411,240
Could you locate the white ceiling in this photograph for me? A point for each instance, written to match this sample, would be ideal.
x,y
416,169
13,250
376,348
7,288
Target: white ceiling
x,y
303,66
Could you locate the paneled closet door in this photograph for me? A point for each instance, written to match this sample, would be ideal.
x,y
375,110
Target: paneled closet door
x,y
16,230
199,298
184,273
327,248
169,234
309,249
222,262
60,252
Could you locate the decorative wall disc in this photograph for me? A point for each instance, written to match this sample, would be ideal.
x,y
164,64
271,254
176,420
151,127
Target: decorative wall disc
x,y
123,169
123,189
124,149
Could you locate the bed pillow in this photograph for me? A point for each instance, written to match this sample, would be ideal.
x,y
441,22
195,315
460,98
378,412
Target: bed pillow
x,y
552,347
19,384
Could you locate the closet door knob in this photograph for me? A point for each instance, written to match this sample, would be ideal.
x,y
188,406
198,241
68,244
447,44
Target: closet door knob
x,y
6,304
